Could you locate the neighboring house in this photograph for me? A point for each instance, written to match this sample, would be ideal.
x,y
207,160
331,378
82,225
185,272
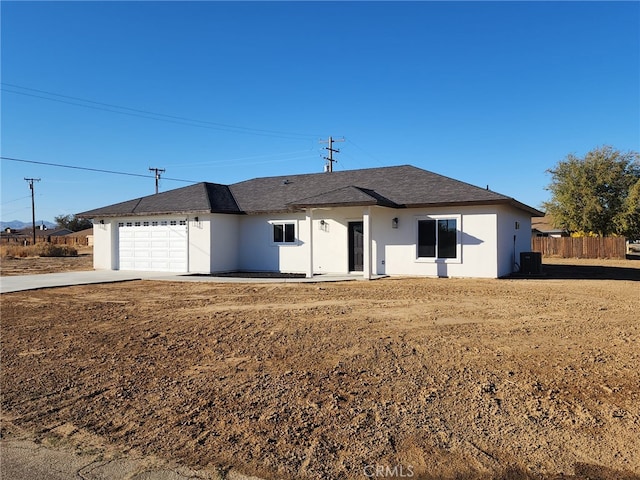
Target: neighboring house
x,y
83,237
380,221
25,235
543,227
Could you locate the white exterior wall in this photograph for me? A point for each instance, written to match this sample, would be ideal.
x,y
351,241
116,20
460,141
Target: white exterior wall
x,y
509,251
225,238
213,243
395,249
221,243
257,252
199,234
331,240
105,244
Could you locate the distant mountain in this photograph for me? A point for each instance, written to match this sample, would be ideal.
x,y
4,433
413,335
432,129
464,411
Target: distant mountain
x,y
18,225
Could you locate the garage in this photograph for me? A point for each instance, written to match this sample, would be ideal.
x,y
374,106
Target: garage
x,y
159,245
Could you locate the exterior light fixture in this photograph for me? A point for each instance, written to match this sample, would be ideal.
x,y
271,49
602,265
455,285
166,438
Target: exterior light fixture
x,y
394,222
195,219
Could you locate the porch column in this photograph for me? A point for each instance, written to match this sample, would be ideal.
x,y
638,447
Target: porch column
x,y
309,219
366,226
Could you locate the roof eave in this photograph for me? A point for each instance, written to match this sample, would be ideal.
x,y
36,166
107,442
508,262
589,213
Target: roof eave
x,y
96,214
464,203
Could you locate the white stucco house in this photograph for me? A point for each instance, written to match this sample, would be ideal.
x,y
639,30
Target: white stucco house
x,y
380,221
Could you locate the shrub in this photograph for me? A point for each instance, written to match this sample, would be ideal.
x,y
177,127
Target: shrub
x,y
38,250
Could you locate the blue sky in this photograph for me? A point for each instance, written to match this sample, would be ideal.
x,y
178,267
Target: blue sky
x,y
490,93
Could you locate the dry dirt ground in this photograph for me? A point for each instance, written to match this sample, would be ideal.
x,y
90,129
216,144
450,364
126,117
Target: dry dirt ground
x,y
412,378
36,265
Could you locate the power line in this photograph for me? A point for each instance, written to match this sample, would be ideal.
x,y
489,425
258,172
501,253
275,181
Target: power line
x,y
108,107
365,152
14,200
99,170
235,161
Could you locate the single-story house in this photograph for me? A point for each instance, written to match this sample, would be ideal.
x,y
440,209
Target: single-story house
x,y
543,227
83,237
25,235
399,220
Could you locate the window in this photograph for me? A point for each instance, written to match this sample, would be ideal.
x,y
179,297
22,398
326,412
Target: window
x,y
173,223
121,224
129,224
145,224
284,232
183,222
438,238
154,224
163,223
137,224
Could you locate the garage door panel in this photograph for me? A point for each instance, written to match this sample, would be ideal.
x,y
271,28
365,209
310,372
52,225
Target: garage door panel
x,y
153,248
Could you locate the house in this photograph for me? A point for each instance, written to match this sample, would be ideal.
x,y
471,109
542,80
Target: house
x,y
25,236
543,227
83,237
398,220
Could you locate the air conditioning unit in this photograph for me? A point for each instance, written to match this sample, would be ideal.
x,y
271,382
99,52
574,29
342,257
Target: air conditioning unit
x,y
531,263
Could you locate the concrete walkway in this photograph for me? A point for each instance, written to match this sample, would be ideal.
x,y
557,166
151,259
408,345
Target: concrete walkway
x,y
21,283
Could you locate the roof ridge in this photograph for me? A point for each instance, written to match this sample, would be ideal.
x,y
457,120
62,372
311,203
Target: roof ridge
x,y
329,192
205,185
339,172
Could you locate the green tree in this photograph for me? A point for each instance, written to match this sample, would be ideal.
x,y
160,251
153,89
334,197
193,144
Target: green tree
x,y
72,222
595,193
629,219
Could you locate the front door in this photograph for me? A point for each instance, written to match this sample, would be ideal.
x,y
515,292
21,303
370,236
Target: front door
x,y
356,247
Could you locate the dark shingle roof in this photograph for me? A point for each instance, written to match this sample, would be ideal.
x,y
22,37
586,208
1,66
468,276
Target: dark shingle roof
x,y
343,197
395,187
199,198
402,186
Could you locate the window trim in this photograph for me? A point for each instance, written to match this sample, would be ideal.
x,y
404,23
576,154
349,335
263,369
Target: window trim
x,y
296,240
458,257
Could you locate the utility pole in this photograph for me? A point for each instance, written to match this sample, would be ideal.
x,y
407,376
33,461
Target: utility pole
x,y
33,206
330,159
158,171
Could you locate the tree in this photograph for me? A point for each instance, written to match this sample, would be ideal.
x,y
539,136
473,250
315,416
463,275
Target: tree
x,y
72,222
597,193
629,220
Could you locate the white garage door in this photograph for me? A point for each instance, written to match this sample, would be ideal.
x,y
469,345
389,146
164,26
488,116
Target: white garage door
x,y
159,246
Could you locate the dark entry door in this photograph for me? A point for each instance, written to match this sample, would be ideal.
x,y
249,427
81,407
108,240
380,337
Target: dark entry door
x,y
356,247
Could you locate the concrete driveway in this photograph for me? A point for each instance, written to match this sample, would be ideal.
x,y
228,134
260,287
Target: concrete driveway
x,y
20,283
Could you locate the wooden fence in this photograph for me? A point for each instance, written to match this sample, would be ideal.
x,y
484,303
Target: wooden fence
x,y
55,240
580,247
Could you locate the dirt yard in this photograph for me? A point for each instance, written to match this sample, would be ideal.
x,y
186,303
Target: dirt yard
x,y
413,378
36,265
